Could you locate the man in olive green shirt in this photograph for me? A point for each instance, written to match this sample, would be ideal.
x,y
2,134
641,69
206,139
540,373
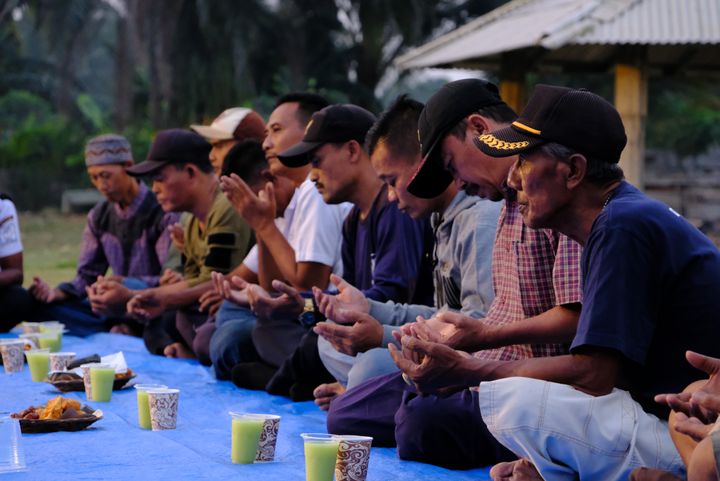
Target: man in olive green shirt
x,y
216,238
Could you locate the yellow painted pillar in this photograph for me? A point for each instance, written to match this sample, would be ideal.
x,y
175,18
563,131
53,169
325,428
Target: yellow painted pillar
x,y
512,91
631,101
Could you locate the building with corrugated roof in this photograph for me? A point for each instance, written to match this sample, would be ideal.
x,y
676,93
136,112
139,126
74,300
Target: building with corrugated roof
x,y
632,38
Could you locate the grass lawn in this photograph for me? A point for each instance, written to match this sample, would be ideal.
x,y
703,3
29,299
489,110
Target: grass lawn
x,y
51,243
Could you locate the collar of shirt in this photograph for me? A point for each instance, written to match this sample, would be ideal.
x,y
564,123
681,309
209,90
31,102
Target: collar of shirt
x,y
130,210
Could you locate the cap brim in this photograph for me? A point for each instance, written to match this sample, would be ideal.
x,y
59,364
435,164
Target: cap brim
x,y
431,178
146,167
297,155
211,133
506,142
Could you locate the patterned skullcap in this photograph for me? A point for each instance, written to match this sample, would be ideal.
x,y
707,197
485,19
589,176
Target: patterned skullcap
x,y
107,149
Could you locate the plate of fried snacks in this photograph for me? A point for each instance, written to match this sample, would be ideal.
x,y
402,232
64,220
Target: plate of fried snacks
x,y
59,414
67,381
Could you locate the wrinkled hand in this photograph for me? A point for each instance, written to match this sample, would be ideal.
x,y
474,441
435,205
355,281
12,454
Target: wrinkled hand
x,y
288,305
257,210
366,333
146,305
439,368
108,297
41,291
177,235
210,302
703,404
343,306
234,290
170,276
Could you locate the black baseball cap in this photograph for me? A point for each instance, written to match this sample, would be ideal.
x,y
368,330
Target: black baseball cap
x,y
334,124
575,118
452,103
173,146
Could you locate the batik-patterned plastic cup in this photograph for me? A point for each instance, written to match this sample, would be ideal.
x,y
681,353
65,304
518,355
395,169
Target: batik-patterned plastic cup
x,y
353,458
13,355
163,408
60,360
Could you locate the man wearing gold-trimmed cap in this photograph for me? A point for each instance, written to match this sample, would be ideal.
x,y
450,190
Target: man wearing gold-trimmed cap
x,y
536,276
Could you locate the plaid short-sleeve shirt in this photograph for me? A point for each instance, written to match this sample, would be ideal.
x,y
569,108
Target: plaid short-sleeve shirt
x,y
533,271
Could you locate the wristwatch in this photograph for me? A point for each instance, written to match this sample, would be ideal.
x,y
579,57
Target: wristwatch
x,y
307,317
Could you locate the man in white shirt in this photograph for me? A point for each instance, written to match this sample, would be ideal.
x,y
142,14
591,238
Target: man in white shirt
x,y
15,300
301,248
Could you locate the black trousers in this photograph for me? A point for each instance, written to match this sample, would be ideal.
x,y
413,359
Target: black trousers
x,y
15,306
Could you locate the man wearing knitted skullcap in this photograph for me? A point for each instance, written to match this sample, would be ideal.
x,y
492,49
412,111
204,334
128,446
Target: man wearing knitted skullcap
x,y
127,232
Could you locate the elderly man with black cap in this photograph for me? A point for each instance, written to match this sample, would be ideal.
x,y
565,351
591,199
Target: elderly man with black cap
x,y
216,239
536,279
126,232
651,291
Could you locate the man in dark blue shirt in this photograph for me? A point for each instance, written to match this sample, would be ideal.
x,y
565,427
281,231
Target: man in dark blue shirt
x,y
382,246
385,253
651,291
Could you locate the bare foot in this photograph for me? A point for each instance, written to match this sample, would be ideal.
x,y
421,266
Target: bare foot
x,y
650,474
121,329
325,393
178,350
520,470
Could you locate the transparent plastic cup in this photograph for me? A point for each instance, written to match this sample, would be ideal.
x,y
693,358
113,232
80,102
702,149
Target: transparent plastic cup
x,y
60,360
39,363
320,456
12,456
253,437
143,405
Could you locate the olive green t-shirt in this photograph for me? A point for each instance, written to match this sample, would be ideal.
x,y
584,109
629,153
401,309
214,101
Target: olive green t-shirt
x,y
221,246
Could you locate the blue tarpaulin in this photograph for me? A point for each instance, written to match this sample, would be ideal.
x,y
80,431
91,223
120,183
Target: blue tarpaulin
x,y
114,448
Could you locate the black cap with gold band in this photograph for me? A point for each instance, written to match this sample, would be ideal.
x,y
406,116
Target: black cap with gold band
x,y
575,118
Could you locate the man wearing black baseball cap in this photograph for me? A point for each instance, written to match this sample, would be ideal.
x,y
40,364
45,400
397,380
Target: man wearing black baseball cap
x,y
303,249
216,237
544,263
536,278
651,291
384,251
458,106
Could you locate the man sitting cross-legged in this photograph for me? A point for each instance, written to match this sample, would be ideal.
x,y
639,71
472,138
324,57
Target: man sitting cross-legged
x,y
536,279
127,233
651,291
384,251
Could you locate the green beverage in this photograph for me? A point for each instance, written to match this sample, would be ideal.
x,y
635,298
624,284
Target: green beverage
x,y
39,363
143,405
320,457
246,433
50,340
101,380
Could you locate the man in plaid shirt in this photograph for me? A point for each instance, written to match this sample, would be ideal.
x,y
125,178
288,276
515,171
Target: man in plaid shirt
x,y
536,278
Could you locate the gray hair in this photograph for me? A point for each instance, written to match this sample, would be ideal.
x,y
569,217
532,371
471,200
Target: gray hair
x,y
599,172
